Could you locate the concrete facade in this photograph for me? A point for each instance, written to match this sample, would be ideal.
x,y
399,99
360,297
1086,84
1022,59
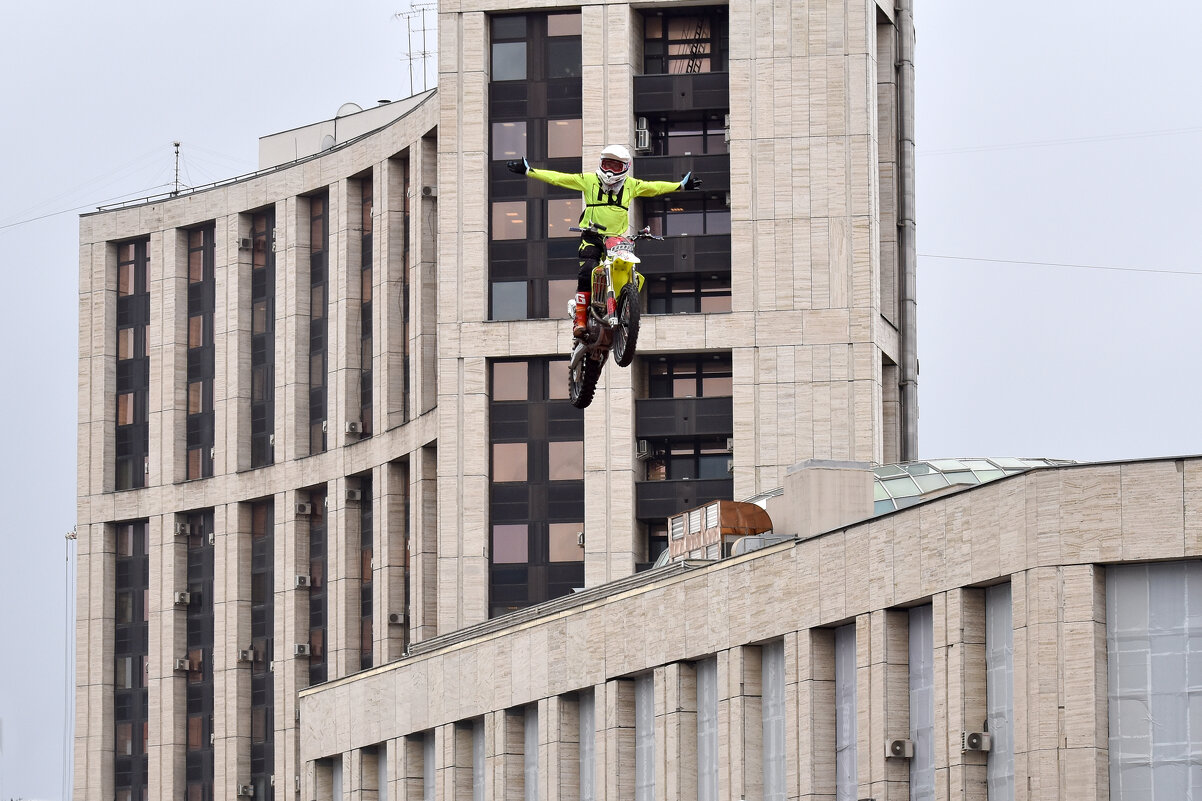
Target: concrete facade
x,y
816,334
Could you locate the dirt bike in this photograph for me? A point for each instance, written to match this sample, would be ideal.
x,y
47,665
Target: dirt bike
x,y
612,317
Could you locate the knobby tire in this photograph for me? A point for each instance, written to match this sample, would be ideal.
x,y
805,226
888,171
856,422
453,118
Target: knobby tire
x,y
580,392
626,334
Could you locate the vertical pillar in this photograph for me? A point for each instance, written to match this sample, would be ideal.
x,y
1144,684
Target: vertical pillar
x,y
559,747
614,770
168,640
291,674
884,707
231,629
740,723
959,641
814,733
676,729
390,550
423,543
342,580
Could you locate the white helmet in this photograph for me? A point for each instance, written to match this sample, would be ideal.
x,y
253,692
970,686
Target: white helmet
x,y
614,166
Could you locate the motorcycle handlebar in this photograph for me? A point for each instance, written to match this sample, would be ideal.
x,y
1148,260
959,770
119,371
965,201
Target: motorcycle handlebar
x,y
593,229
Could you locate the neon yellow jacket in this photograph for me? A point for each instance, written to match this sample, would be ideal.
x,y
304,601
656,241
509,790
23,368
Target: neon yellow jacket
x,y
609,210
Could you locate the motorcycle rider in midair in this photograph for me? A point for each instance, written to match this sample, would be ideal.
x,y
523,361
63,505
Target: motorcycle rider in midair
x,y
608,194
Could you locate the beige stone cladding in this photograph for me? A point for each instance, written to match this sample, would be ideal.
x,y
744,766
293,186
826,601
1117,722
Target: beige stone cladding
x,y
404,422
1023,531
809,343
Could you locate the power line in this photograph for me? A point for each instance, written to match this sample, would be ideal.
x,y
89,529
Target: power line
x,y
1060,264
81,208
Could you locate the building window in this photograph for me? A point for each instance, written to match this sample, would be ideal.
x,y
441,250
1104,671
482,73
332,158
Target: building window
x,y
588,744
366,610
366,337
131,638
262,631
133,365
318,319
703,136
537,484
262,343
686,41
1154,661
530,751
644,737
318,571
999,691
707,730
199,692
687,216
845,713
200,360
690,376
922,703
535,110
773,704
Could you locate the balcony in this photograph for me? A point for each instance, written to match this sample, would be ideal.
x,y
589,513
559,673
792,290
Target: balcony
x,y
654,94
713,170
657,418
659,500
685,255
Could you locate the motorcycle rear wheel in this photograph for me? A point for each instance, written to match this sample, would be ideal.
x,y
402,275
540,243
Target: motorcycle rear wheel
x,y
626,333
582,382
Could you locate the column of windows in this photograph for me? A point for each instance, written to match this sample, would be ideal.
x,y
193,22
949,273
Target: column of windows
x,y
262,628
318,319
133,364
535,102
366,352
683,426
318,568
537,488
262,348
366,611
681,106
201,300
131,649
199,693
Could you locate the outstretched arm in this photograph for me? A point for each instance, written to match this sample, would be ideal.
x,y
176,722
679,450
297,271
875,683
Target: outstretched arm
x,y
568,180
654,188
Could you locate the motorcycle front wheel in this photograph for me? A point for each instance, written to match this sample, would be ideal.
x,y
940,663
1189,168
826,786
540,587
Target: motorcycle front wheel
x,y
582,382
626,333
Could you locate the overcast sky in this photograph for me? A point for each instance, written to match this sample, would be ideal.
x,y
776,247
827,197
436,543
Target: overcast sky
x,y
1063,133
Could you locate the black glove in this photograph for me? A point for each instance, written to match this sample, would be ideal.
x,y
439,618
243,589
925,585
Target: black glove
x,y
520,167
690,181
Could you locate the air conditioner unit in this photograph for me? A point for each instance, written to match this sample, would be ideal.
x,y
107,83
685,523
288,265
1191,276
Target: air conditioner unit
x,y
580,538
325,426
396,618
182,664
246,791
642,450
975,741
212,538
245,243
354,427
642,140
304,508
730,444
275,235
899,749
429,191
302,581
182,598
301,649
354,495
246,655
726,125
730,465
182,529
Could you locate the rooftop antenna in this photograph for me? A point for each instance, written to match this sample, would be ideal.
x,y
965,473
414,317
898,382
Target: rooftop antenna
x,y
175,191
416,10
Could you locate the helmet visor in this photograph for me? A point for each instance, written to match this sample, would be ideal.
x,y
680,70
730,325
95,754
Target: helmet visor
x,y
613,165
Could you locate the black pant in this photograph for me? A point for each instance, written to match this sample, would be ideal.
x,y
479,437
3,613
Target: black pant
x,y
592,249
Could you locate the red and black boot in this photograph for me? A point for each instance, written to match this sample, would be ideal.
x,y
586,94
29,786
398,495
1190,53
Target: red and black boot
x,y
581,326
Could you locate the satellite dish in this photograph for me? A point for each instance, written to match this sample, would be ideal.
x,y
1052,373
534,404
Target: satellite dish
x,y
328,141
348,108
